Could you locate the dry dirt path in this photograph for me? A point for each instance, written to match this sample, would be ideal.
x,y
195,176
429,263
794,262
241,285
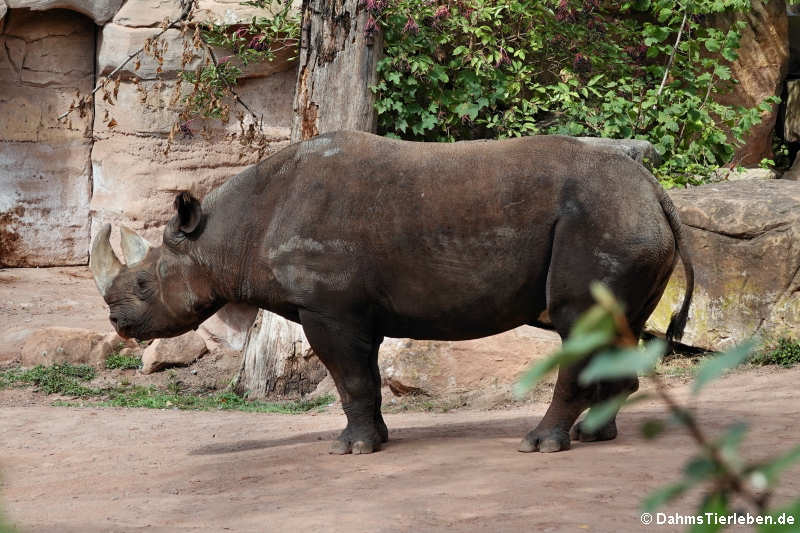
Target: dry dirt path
x,y
92,470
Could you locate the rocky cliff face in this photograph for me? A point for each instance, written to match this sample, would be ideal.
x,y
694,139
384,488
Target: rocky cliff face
x,y
61,181
45,173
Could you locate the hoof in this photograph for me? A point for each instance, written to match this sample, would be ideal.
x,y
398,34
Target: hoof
x,y
339,447
606,432
361,446
545,442
343,447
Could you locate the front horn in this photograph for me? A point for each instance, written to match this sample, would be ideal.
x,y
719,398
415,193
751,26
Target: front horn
x,y
103,261
134,247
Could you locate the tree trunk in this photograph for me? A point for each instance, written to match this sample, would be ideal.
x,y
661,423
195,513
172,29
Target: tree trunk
x,y
337,66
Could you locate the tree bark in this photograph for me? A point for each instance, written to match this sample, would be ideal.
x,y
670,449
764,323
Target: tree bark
x,y
337,66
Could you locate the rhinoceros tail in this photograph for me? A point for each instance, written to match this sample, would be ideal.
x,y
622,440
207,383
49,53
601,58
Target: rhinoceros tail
x,y
678,321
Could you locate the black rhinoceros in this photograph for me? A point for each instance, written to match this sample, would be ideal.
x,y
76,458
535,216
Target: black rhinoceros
x,y
357,237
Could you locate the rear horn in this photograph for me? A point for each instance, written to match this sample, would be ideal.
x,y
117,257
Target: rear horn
x,y
103,261
134,247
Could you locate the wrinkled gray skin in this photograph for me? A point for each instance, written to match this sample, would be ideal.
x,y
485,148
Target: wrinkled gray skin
x,y
357,237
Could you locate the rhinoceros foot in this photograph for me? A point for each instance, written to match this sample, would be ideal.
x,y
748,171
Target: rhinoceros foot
x,y
605,432
545,440
366,440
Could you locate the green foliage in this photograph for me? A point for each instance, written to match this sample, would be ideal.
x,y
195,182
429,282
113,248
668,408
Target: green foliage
x,y
123,362
59,378
785,353
714,367
504,68
603,333
213,83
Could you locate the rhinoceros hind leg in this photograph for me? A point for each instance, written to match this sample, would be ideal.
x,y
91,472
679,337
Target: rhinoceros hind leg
x,y
605,391
349,350
606,432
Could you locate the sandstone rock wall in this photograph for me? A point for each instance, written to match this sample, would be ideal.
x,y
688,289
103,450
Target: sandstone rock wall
x,y
60,181
45,170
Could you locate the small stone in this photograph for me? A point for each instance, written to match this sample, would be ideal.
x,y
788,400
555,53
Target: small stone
x,y
181,350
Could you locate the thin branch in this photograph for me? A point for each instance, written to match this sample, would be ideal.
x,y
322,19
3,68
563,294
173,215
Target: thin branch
x,y
672,55
759,501
187,9
238,99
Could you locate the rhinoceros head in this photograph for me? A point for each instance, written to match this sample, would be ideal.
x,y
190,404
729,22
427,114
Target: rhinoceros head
x,y
160,291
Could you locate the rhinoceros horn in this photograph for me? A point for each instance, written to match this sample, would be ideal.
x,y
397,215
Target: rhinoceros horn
x,y
134,247
103,261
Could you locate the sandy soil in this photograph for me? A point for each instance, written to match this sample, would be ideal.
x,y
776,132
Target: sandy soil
x,y
87,470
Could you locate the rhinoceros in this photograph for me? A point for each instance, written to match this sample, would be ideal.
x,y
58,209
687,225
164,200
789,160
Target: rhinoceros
x,y
357,237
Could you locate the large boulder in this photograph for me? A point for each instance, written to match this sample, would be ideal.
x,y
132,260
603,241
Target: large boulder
x,y
439,368
639,150
69,345
228,327
744,238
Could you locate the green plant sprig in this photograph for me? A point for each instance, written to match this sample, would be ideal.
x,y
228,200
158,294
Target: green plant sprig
x,y
603,334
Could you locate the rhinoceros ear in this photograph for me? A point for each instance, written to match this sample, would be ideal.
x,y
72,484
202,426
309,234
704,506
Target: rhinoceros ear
x,y
134,247
189,212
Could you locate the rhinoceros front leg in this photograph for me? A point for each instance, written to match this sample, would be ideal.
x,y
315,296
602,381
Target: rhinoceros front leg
x,y
349,350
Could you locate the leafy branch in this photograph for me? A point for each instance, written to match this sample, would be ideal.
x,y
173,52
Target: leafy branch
x,y
602,335
104,82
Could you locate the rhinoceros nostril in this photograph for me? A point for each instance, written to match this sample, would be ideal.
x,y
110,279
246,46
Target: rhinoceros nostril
x,y
113,319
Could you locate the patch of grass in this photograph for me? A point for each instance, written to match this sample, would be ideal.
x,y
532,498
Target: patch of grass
x,y
5,527
64,378
152,398
59,378
123,362
786,352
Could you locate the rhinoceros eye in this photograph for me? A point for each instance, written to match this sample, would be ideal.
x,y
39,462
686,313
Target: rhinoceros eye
x,y
144,285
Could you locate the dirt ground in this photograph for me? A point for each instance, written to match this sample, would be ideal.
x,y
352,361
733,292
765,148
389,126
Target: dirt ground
x,y
125,470
91,470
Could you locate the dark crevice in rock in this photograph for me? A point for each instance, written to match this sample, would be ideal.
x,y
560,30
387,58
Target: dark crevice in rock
x,y
744,235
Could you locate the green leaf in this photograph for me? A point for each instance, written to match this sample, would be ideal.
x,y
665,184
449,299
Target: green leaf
x,y
653,428
612,364
729,443
664,495
595,319
572,350
715,503
603,296
599,414
772,469
700,468
595,79
712,45
784,520
467,109
713,368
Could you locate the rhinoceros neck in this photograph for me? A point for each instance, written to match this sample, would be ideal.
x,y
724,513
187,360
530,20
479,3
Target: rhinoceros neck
x,y
238,213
